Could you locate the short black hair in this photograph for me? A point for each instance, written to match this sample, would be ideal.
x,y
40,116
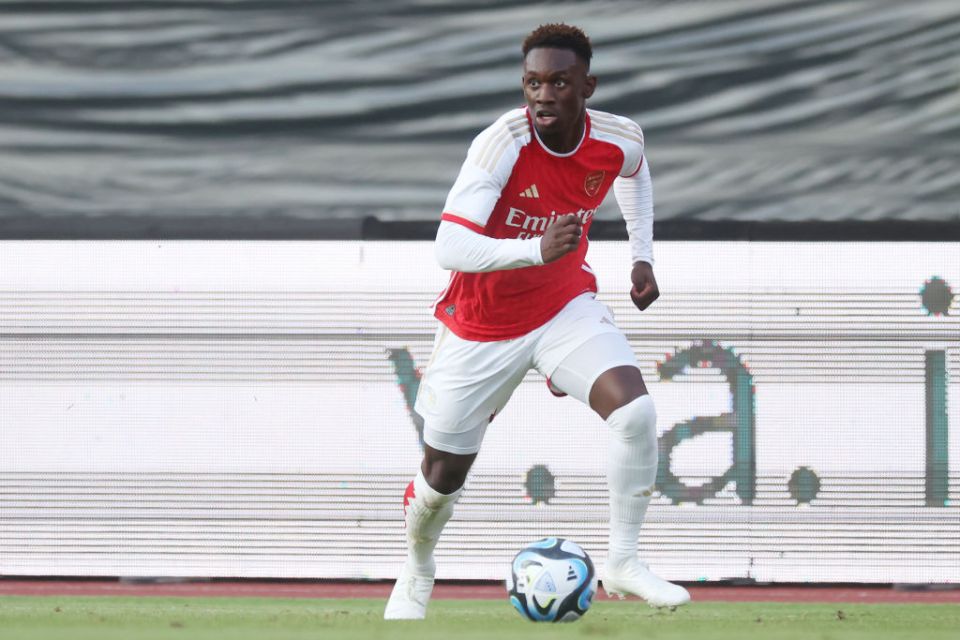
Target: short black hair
x,y
560,36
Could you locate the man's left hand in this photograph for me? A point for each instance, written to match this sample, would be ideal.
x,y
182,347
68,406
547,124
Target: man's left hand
x,y
645,289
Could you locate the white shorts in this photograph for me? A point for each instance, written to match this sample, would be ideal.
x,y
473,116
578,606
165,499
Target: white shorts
x,y
467,383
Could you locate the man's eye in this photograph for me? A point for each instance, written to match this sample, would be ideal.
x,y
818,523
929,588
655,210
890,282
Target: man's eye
x,y
533,83
560,83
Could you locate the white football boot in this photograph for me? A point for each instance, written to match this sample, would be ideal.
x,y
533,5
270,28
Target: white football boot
x,y
634,578
410,597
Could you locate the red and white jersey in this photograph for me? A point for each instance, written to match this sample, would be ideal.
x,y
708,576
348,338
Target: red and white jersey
x,y
512,186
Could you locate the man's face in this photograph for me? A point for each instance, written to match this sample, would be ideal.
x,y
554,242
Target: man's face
x,y
556,85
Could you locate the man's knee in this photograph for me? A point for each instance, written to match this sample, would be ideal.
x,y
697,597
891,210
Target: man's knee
x,y
616,388
445,472
635,420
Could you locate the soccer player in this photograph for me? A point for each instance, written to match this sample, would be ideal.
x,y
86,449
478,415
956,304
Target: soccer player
x,y
514,233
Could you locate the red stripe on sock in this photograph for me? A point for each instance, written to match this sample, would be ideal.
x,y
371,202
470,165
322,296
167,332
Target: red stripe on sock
x,y
408,496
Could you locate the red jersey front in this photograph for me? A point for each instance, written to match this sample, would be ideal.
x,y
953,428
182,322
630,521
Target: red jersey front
x,y
512,186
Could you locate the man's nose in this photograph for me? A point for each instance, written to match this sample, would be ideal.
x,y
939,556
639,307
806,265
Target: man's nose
x,y
545,94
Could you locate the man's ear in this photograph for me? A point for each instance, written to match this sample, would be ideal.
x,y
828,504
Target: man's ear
x,y
589,86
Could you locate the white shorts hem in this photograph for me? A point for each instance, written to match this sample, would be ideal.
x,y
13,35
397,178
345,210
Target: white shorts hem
x,y
613,365
448,447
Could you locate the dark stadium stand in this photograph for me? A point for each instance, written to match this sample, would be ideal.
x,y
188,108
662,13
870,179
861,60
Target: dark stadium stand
x,y
282,119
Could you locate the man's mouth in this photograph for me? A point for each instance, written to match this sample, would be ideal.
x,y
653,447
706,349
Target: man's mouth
x,y
545,117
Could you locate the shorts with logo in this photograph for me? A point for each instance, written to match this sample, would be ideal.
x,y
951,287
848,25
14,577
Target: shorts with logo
x,y
467,383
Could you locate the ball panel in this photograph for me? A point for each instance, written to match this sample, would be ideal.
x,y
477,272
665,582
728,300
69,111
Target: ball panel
x,y
572,547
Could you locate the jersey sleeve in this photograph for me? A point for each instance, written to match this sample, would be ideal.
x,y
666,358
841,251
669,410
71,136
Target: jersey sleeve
x,y
457,248
634,195
632,148
625,134
485,172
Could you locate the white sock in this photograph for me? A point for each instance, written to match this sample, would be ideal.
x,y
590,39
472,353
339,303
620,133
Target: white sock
x,y
631,473
427,513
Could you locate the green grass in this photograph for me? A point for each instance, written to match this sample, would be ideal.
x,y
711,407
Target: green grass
x,y
107,618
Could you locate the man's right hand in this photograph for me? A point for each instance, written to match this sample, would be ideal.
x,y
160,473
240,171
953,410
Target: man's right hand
x,y
561,238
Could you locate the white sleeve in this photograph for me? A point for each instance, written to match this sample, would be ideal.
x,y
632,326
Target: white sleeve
x,y
635,196
486,170
459,249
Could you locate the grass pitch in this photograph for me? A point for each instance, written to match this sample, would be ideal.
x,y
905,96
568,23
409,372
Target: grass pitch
x,y
109,618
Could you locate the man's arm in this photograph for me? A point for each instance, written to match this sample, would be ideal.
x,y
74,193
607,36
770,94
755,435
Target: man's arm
x,y
459,249
635,196
461,245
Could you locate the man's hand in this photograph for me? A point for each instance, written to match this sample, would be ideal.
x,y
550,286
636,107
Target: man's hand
x,y
645,289
561,238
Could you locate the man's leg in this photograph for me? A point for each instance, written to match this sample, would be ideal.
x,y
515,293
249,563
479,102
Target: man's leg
x,y
620,397
466,384
618,394
427,504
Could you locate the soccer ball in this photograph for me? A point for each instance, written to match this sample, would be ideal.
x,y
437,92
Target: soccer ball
x,y
552,580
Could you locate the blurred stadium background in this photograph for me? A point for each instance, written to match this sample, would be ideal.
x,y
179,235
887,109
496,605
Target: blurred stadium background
x,y
205,117
216,271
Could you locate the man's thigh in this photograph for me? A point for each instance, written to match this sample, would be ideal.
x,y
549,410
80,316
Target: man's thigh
x,y
585,319
465,385
580,370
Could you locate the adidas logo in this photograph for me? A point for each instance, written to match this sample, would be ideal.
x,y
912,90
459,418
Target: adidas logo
x,y
571,574
530,192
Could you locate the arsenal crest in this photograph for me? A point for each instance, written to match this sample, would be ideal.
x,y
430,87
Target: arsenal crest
x,y
591,184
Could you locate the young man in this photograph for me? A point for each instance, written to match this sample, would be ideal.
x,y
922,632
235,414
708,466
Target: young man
x,y
522,296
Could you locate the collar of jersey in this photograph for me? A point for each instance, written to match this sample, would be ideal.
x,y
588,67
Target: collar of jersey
x,y
586,130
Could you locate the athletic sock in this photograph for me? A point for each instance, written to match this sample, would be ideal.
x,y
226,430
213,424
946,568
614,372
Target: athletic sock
x,y
631,473
427,512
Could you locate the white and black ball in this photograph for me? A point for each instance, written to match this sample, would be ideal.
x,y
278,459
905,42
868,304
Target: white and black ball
x,y
552,580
